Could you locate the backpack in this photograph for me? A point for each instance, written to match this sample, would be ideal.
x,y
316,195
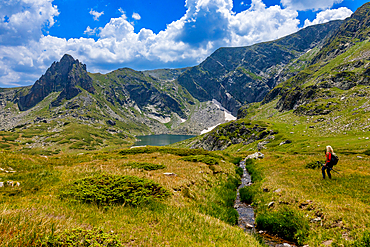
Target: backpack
x,y
334,159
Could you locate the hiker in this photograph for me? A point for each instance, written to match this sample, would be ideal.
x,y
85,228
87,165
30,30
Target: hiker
x,y
328,166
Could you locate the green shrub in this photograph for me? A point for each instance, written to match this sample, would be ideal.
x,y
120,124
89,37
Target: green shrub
x,y
221,206
81,237
246,194
167,150
209,160
239,171
363,241
285,223
313,165
146,166
105,189
11,138
235,160
251,168
4,146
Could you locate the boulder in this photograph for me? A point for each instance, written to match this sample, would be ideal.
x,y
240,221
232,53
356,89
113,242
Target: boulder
x,y
261,145
111,122
285,142
256,155
317,219
169,174
1,184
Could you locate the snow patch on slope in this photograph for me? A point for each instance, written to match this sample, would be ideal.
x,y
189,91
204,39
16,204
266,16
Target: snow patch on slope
x,y
228,116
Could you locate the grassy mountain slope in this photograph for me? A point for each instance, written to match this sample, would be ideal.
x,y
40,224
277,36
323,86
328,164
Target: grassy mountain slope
x,y
342,63
337,210
327,103
196,209
181,197
112,108
235,76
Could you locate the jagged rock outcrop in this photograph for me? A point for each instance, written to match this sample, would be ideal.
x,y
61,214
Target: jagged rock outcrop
x,y
65,76
129,88
234,132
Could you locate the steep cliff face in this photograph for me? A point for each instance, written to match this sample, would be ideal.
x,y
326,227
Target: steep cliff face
x,y
130,88
236,76
342,63
64,76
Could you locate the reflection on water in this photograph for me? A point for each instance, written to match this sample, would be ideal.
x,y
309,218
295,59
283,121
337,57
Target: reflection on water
x,y
160,140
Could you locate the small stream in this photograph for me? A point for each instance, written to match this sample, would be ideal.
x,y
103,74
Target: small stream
x,y
246,215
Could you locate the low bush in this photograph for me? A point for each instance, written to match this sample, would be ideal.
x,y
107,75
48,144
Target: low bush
x,y
146,166
363,241
285,223
81,237
104,189
246,194
167,150
221,206
255,174
209,160
239,171
313,165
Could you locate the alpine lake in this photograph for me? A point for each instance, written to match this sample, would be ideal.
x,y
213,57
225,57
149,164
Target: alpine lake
x,y
160,140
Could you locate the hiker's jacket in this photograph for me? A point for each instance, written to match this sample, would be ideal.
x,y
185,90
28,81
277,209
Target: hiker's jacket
x,y
328,159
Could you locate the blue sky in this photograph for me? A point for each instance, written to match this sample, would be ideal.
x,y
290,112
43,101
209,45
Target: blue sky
x,y
106,35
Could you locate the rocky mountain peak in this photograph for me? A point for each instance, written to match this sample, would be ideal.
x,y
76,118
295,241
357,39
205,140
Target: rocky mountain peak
x,y
63,76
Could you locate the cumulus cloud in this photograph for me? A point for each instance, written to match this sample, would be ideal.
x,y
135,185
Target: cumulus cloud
x,y
206,25
22,20
136,16
329,15
96,14
89,31
309,5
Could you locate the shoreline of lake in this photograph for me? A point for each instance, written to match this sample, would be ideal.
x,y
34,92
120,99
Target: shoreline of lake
x,y
160,140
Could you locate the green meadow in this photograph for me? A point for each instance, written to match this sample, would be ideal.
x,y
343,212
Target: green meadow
x,y
119,198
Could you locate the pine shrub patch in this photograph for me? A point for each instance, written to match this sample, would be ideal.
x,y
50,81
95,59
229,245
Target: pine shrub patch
x,y
286,223
209,160
146,166
246,194
313,165
168,150
81,237
105,189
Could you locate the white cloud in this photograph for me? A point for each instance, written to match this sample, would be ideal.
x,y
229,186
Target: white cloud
x,y
309,4
329,15
96,14
23,20
206,25
89,31
136,16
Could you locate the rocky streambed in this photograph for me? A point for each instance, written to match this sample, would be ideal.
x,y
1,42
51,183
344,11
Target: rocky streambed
x,y
246,215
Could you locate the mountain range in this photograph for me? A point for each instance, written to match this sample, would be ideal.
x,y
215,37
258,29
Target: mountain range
x,y
118,105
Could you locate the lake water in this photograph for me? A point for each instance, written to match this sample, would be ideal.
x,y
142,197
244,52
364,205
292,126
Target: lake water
x,y
160,140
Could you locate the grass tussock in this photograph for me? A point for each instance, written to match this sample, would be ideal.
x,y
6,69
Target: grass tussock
x,y
95,190
82,237
105,189
146,166
202,158
286,223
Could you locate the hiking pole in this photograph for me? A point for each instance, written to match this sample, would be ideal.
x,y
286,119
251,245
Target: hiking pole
x,y
331,168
